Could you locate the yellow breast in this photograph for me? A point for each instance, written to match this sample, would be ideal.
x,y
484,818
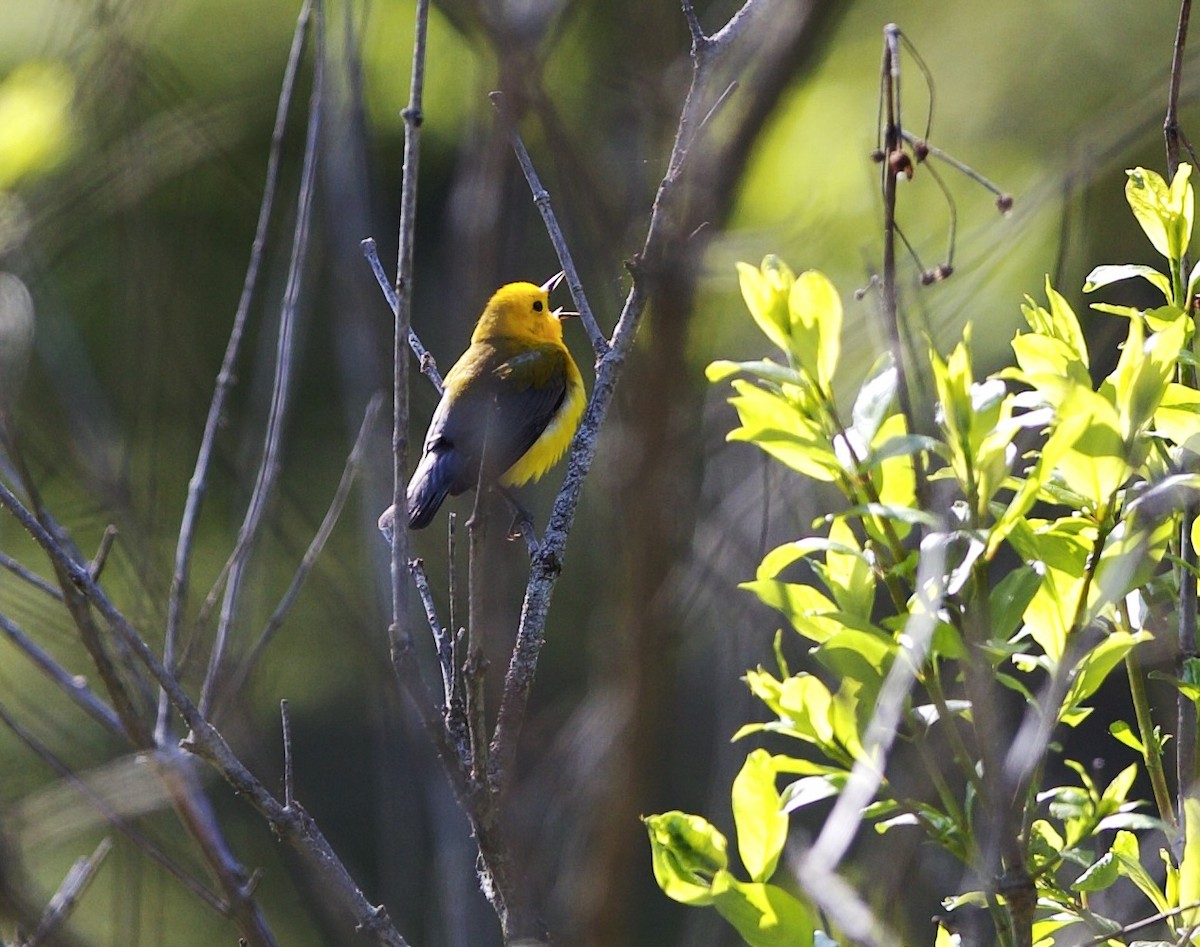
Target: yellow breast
x,y
554,440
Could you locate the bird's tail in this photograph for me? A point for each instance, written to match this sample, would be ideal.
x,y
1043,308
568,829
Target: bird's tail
x,y
431,482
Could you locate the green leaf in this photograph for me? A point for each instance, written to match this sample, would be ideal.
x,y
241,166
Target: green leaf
x,y
1102,873
1095,466
765,291
1094,669
764,915
871,406
816,326
1059,323
1104,275
686,852
775,424
811,613
1128,561
1009,599
810,789
1125,848
1178,416
758,815
1123,732
1164,213
893,476
849,573
1142,373
1189,867
765,369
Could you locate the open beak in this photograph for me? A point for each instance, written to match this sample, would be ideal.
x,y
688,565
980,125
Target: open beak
x,y
552,283
548,287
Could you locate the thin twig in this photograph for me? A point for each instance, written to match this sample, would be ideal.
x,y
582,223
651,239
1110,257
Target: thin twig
x,y
1171,130
73,685
428,366
398,632
289,784
198,483
541,198
7,562
1188,731
843,822
281,387
452,597
441,639
68,894
96,566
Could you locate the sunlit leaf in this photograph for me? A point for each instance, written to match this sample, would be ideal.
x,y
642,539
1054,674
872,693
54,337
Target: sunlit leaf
x,y
758,815
1164,213
1189,867
1102,873
765,292
764,915
1104,275
686,851
874,399
816,326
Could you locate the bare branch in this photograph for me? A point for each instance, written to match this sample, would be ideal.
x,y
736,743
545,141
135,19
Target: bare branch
x,y
114,818
68,894
289,785
11,564
73,685
1171,130
398,632
441,637
96,566
428,366
542,200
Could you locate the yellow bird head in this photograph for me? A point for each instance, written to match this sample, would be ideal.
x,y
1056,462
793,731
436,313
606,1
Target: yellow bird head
x,y
521,311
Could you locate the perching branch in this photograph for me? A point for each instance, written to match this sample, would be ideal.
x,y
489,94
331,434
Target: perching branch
x,y
707,52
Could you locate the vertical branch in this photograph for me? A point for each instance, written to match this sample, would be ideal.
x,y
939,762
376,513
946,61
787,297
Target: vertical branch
x,y
1171,131
661,232
895,163
398,632
281,386
199,480
1186,752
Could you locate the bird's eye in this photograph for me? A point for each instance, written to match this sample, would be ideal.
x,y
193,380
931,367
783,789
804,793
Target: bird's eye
x,y
537,306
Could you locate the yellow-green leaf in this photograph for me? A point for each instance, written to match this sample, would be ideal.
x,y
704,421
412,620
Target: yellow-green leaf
x,y
764,915
758,815
816,326
765,292
1164,213
686,851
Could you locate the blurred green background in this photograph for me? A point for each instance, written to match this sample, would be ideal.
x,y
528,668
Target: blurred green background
x,y
133,147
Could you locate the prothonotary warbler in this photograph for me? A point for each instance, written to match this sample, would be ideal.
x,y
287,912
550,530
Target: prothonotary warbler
x,y
510,405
